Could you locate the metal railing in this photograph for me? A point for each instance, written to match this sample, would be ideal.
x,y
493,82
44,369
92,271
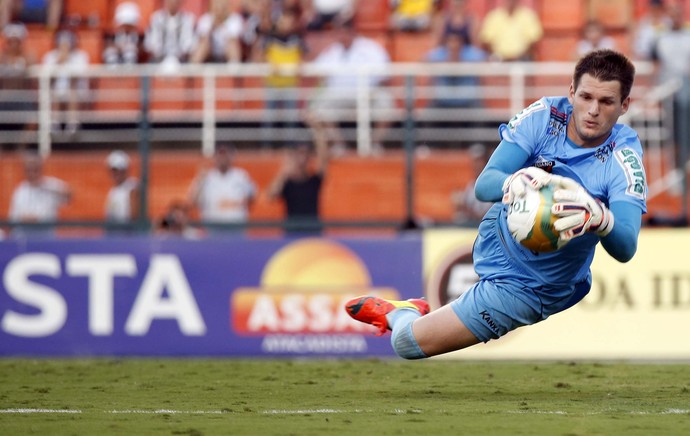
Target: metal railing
x,y
201,104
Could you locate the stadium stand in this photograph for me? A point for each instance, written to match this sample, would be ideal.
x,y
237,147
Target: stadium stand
x,y
562,16
557,47
117,94
377,192
91,13
411,47
614,14
39,41
91,41
373,15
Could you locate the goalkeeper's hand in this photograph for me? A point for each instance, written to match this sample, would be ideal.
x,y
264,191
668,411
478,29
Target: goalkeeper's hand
x,y
523,179
579,212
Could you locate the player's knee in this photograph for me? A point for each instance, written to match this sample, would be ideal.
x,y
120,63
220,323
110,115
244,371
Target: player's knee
x,y
405,344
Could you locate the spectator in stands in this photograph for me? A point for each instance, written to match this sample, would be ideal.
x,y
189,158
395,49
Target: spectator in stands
x,y
123,46
298,184
330,14
510,32
284,50
122,202
37,199
467,209
15,85
593,38
648,29
672,54
225,193
274,9
252,13
170,36
69,90
461,90
339,92
175,222
458,20
260,18
46,12
412,15
218,35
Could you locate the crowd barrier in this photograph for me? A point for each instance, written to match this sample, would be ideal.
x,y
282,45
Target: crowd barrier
x,y
263,297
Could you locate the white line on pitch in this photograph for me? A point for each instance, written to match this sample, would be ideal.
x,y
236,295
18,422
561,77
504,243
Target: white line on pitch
x,y
302,412
632,412
169,412
20,411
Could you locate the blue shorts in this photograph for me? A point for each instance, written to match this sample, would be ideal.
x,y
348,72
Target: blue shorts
x,y
492,308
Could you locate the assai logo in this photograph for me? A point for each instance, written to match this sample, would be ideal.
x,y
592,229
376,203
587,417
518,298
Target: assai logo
x,y
303,289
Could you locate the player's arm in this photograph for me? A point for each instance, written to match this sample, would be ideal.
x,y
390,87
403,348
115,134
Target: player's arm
x,y
621,242
275,189
194,192
506,170
321,149
134,201
506,160
579,213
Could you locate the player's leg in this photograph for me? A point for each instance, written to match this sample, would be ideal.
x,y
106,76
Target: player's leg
x,y
486,311
441,332
396,316
415,334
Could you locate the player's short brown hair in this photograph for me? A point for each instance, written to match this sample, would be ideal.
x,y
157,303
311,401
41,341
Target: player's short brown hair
x,y
606,65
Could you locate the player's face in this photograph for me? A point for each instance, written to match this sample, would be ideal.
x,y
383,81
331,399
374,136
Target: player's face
x,y
596,108
223,158
301,157
118,175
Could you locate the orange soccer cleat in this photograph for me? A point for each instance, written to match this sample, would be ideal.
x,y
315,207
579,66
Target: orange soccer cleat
x,y
373,310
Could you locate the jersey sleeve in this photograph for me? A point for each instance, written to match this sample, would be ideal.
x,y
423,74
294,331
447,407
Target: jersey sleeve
x,y
525,128
628,181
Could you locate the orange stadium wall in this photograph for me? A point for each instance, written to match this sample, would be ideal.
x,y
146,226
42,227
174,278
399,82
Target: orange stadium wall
x,y
355,189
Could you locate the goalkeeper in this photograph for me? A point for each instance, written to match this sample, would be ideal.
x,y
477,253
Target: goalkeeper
x,y
595,164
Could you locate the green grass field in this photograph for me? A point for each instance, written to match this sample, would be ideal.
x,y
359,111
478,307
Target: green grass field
x,y
316,397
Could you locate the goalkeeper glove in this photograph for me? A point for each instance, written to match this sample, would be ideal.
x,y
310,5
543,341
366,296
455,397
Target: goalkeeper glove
x,y
579,212
534,178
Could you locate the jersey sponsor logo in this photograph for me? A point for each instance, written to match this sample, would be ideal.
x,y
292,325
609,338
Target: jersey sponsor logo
x,y
490,322
557,122
604,152
555,128
558,115
520,116
634,172
543,164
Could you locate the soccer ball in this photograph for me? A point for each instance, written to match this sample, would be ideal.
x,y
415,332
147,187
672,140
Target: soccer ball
x,y
530,220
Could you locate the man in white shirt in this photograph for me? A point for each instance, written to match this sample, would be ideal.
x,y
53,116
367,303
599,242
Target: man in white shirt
x,y
69,92
37,199
224,193
122,202
218,34
338,97
170,35
672,55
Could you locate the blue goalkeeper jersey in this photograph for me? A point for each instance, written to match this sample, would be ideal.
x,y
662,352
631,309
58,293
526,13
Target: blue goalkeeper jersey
x,y
612,172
